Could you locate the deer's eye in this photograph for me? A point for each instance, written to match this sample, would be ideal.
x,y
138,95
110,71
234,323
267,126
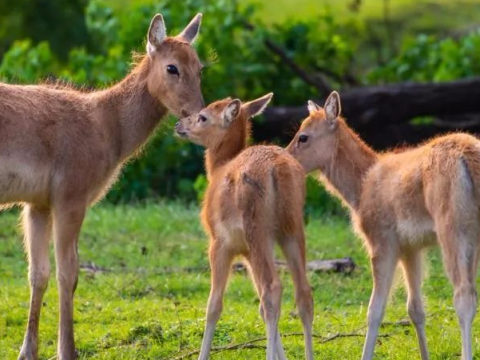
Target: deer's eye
x,y
172,70
201,118
303,138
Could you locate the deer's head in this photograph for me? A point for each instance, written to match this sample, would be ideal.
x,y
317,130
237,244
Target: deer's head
x,y
220,121
175,69
315,144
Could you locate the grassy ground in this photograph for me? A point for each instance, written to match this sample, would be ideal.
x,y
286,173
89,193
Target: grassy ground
x,y
150,301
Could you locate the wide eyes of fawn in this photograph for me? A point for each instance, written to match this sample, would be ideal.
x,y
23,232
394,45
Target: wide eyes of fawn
x,y
303,138
173,70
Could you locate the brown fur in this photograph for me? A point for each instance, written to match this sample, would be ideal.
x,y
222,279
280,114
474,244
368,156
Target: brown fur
x,y
255,198
401,203
61,149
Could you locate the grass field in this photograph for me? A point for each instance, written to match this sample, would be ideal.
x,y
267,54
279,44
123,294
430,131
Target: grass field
x,y
147,297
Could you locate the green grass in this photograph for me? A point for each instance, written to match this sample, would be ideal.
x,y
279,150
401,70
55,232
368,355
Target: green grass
x,y
150,303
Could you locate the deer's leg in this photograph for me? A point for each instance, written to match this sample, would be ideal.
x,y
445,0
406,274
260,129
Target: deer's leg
x,y
294,250
279,350
459,247
67,222
412,268
220,261
37,228
383,269
269,289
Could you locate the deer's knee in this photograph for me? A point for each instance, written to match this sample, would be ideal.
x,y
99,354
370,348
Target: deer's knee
x,y
39,276
416,312
270,298
465,301
214,309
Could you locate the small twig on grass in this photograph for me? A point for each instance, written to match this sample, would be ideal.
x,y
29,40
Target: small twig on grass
x,y
250,344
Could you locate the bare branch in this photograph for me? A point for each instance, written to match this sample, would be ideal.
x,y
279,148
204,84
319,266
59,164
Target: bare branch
x,y
251,344
315,81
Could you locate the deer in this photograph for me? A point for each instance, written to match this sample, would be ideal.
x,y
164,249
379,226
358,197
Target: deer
x,y
400,203
61,149
254,199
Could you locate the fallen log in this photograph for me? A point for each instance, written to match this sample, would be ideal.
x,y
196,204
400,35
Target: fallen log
x,y
377,113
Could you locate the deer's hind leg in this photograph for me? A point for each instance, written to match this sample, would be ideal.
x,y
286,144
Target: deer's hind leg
x,y
221,258
37,228
412,269
460,247
262,266
293,247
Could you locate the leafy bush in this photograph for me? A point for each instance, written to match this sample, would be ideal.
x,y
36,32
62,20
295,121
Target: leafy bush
x,y
237,63
426,58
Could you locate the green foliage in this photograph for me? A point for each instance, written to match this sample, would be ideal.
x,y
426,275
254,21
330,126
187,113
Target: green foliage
x,y
427,58
61,23
237,64
200,186
26,63
319,202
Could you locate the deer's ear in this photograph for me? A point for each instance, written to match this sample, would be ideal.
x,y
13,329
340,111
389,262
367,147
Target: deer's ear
x,y
333,107
312,107
256,107
231,112
156,33
190,33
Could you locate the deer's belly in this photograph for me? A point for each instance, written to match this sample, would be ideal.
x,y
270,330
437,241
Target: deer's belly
x,y
416,231
23,182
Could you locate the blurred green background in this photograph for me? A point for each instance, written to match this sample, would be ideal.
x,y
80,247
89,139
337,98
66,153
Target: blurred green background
x,y
353,42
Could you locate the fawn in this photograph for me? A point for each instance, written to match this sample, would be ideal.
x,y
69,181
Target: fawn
x,y
400,203
61,149
255,198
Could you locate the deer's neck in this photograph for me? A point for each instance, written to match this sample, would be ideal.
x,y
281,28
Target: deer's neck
x,y
133,111
347,168
234,142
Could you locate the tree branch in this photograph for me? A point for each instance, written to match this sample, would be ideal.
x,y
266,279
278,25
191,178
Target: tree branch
x,y
251,344
316,81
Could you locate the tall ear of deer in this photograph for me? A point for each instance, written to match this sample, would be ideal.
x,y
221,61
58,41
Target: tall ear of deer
x,y
61,150
402,202
261,205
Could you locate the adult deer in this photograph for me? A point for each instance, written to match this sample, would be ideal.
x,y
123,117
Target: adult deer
x,y
255,198
400,203
61,150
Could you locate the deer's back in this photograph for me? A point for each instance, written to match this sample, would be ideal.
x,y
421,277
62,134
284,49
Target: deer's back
x,y
407,192
47,136
263,187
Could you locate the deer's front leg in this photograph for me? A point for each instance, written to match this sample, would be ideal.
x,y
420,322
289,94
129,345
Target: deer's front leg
x,y
67,221
37,225
384,262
